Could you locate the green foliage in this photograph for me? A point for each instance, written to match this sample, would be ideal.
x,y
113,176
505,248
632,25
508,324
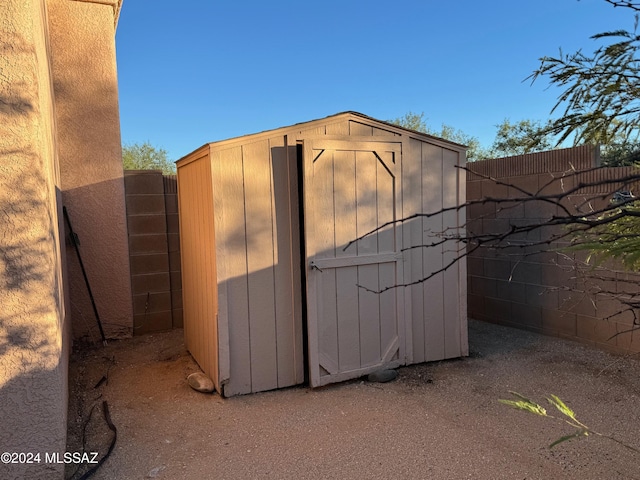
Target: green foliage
x,y
616,234
146,157
601,91
562,407
523,403
623,154
600,103
417,122
412,121
519,138
568,416
526,405
475,151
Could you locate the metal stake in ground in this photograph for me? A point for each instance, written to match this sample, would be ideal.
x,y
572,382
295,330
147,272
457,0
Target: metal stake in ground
x,y
75,242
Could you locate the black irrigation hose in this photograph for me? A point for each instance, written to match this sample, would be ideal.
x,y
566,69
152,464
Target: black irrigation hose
x,y
112,427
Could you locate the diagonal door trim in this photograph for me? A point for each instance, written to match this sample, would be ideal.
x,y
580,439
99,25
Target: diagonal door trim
x,y
321,265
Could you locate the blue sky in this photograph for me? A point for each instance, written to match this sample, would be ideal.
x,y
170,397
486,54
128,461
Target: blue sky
x,y
198,71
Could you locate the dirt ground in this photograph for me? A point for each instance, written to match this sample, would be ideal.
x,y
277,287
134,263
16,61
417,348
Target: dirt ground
x,y
436,421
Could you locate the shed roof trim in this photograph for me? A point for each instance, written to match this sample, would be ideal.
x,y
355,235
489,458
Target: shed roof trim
x,y
352,114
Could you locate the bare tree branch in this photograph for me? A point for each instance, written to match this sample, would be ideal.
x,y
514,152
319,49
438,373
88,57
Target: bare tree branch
x,y
625,3
570,223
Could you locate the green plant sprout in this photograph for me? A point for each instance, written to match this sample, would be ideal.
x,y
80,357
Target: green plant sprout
x,y
526,405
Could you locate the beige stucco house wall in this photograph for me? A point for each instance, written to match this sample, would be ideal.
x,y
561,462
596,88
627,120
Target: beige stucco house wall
x,y
59,143
86,98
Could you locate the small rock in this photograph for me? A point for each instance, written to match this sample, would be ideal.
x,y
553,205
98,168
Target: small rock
x,y
200,382
382,376
154,472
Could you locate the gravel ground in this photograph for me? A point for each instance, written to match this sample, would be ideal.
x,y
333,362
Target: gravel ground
x,y
439,420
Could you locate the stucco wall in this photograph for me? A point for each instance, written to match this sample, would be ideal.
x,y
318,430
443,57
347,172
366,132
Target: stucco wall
x,y
86,93
33,330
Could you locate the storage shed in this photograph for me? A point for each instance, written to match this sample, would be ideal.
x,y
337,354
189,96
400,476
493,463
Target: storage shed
x,y
275,294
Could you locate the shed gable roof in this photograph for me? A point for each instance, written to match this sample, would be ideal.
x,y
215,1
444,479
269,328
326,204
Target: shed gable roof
x,y
338,117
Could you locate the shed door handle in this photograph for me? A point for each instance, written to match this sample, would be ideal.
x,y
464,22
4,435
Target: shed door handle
x,y
314,266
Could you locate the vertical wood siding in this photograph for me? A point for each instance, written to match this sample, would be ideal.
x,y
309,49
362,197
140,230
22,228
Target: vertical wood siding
x,y
454,313
433,290
257,237
231,247
436,307
199,265
241,255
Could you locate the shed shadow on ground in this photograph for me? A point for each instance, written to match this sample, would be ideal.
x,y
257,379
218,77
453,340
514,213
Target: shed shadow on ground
x,y
487,341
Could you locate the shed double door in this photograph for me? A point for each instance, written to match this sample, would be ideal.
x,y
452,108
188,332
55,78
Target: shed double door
x,y
352,187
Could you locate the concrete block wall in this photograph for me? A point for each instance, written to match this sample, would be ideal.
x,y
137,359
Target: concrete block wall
x,y
173,241
153,252
541,288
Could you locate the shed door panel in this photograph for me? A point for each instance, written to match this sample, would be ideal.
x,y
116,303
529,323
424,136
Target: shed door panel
x,y
352,188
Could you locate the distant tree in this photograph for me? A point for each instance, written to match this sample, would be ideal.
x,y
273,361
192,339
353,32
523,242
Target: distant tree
x,y
412,121
146,157
518,138
475,152
417,122
622,154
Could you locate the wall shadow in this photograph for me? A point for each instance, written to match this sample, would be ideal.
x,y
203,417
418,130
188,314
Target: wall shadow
x,y
104,249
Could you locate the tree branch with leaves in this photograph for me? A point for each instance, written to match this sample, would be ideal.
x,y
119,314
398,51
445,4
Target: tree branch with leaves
x,y
601,98
581,430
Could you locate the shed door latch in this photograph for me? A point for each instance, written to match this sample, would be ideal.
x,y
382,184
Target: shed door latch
x,y
314,266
